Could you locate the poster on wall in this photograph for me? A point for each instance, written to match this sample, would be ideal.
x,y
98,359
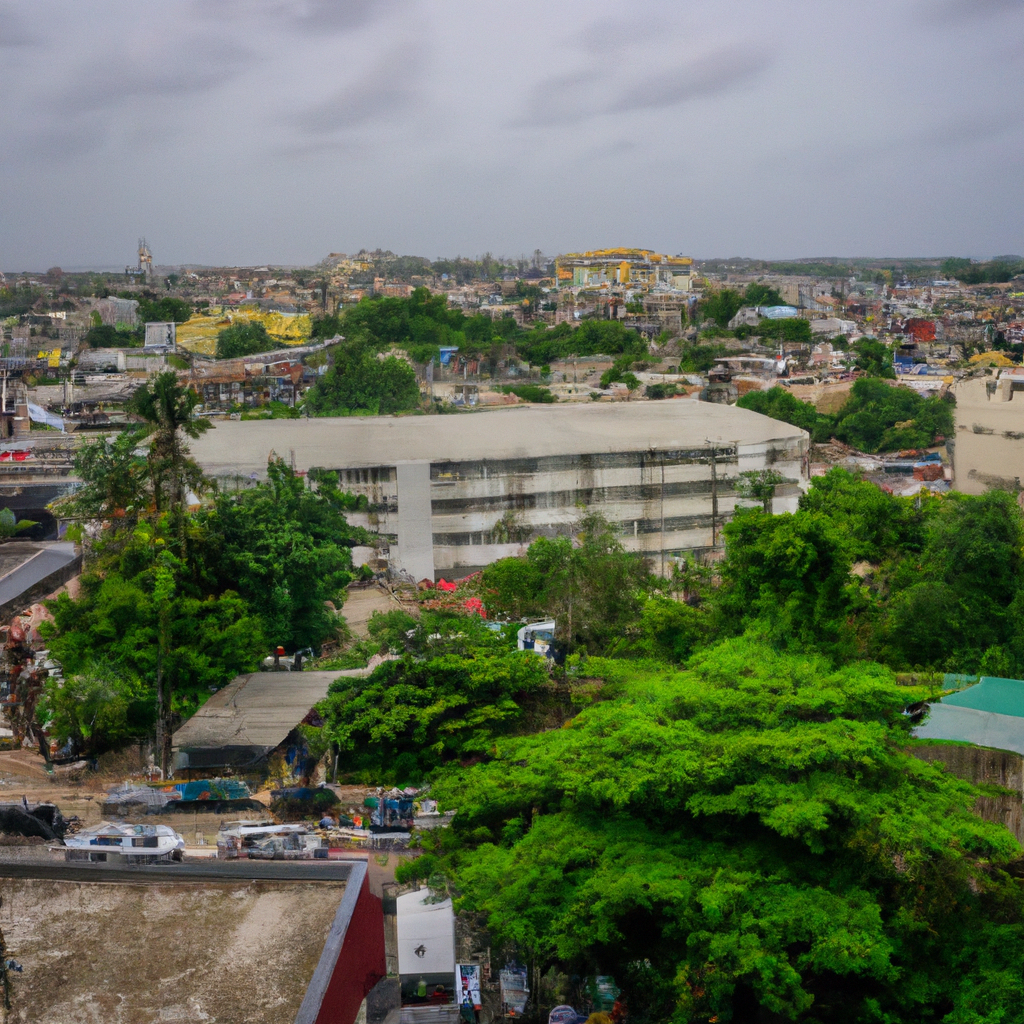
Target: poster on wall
x,y
468,981
514,989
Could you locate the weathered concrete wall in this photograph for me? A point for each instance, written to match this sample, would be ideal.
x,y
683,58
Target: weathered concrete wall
x,y
989,429
984,765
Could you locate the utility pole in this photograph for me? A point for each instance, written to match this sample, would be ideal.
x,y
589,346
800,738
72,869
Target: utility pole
x,y
714,493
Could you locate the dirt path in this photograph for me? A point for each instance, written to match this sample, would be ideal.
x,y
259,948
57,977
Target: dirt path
x,y
362,602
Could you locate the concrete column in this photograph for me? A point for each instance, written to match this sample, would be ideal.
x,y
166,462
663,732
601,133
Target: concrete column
x,y
415,532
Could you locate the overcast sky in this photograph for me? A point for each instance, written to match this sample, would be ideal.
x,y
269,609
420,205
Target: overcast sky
x,y
254,131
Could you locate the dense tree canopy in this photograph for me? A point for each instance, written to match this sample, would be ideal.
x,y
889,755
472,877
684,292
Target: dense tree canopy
x,y
359,381
286,549
744,840
244,339
877,417
781,404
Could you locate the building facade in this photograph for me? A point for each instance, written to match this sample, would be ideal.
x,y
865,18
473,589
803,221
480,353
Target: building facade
x,y
449,495
639,269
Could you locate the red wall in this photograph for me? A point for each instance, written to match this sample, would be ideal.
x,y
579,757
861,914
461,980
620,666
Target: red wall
x,y
361,962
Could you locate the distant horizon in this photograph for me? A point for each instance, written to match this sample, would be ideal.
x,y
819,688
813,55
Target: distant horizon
x,y
185,265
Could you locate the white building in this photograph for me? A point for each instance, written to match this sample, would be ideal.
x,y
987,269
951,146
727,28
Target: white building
x,y
450,494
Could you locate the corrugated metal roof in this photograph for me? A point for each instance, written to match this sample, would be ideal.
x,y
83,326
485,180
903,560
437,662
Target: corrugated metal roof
x,y
256,711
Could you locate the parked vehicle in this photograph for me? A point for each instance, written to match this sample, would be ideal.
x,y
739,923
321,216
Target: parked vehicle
x,y
135,844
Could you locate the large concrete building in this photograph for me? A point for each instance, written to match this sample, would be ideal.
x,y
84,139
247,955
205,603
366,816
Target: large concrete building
x,y
450,494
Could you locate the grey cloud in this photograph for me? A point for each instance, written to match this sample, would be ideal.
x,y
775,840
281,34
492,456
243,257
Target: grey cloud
x,y
334,15
709,76
608,35
306,16
972,129
576,97
13,31
65,142
188,66
382,93
968,10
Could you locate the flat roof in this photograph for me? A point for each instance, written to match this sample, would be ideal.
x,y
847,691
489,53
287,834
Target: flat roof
x,y
173,945
525,431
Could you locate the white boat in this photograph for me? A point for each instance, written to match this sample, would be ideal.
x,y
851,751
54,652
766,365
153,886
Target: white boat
x,y
135,844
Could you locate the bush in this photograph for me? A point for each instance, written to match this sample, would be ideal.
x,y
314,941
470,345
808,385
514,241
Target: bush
x,y
530,393
243,339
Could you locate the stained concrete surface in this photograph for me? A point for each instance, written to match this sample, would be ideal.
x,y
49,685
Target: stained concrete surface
x,y
115,952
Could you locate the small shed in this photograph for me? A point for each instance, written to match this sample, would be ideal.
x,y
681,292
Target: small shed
x,y
242,724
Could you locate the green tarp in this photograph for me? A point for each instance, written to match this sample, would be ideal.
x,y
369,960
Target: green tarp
x,y
997,696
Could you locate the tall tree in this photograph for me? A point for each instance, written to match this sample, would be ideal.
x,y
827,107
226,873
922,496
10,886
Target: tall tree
x,y
169,411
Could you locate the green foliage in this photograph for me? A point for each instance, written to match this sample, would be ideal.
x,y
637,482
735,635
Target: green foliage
x,y
962,596
124,621
164,310
666,630
513,586
326,326
245,338
359,381
721,305
994,271
758,294
663,390
944,588
10,525
115,479
873,358
780,404
286,550
759,485
411,716
878,417
790,329
877,525
746,839
699,358
530,393
100,710
591,586
790,573
104,336
169,411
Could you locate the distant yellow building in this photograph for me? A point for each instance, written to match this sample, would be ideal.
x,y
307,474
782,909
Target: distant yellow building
x,y
639,269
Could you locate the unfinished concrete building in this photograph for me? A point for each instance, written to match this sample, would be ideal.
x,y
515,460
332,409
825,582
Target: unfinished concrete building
x,y
450,494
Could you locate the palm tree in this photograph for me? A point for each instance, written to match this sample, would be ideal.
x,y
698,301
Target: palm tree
x,y
168,408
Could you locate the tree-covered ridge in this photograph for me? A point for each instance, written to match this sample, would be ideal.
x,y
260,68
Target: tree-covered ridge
x,y
746,838
877,416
